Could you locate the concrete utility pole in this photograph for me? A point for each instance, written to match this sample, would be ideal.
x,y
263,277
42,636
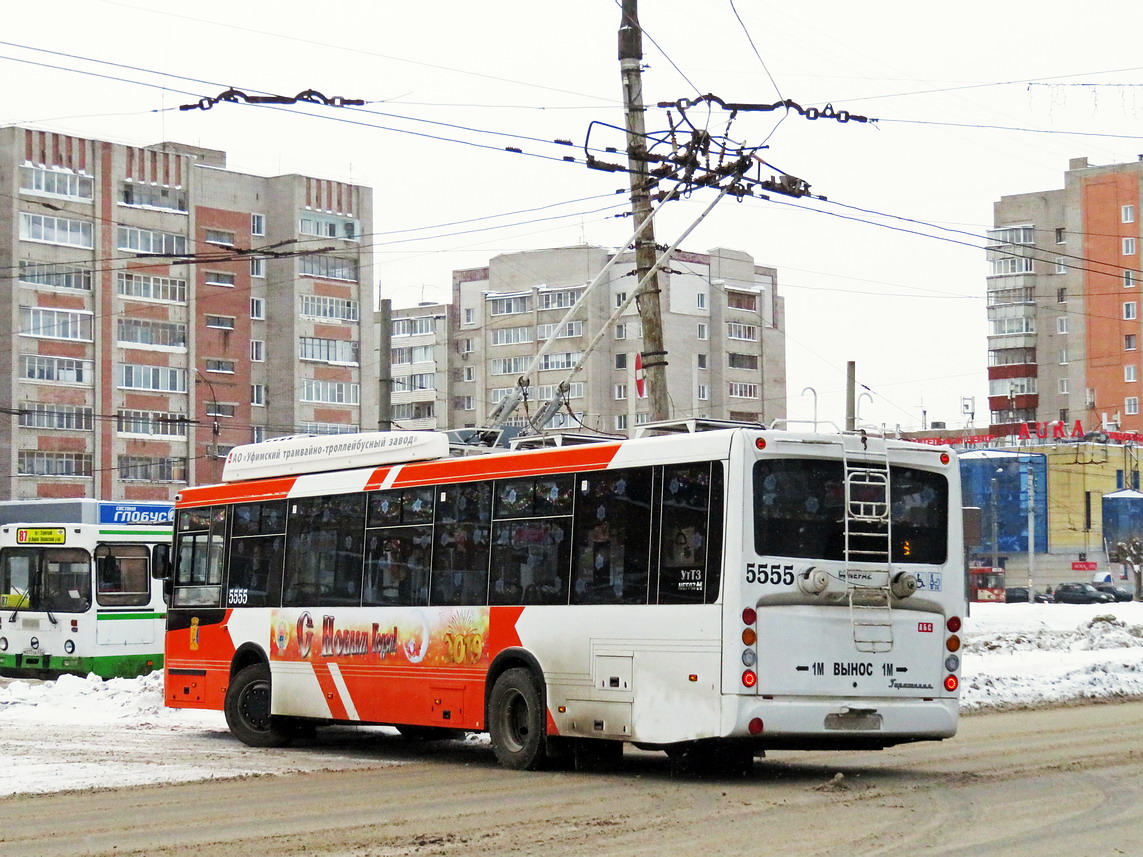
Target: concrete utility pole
x,y
851,396
654,354
385,366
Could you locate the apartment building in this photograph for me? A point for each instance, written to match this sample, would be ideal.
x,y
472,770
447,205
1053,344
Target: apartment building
x,y
1064,306
422,344
162,309
723,329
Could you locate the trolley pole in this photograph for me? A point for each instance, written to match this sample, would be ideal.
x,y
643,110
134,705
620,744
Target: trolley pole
x,y
647,298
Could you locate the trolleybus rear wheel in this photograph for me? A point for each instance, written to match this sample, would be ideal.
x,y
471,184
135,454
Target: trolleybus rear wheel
x,y
516,720
248,709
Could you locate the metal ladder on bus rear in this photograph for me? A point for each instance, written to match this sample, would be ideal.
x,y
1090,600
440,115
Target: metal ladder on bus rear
x,y
868,539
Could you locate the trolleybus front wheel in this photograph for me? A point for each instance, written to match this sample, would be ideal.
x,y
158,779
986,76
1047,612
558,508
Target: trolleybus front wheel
x,y
516,721
248,709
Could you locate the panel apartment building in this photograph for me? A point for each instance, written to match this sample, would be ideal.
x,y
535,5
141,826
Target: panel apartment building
x,y
723,329
1064,305
143,333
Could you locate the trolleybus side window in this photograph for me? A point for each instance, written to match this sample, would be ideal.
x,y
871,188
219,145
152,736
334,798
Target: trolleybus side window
x,y
531,540
398,544
257,548
122,575
612,537
460,548
198,565
690,544
324,547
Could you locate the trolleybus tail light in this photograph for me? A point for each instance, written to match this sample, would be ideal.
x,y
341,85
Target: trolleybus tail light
x,y
75,626
945,458
953,624
755,726
749,636
953,643
760,443
750,678
749,616
951,683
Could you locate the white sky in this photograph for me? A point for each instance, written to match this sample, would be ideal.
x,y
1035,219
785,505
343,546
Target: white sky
x,y
908,309
79,733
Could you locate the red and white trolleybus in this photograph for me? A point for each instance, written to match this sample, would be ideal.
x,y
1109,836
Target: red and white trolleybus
x,y
708,593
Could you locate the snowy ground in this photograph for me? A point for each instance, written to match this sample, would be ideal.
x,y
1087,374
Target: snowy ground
x,y
78,733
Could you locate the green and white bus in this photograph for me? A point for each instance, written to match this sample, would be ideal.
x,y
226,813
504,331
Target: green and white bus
x,y
81,587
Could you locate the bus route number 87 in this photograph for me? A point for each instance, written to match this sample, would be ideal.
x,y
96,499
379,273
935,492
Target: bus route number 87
x,y
774,573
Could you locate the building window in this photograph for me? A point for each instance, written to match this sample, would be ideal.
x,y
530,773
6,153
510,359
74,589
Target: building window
x,y
331,392
56,182
138,468
215,364
329,267
620,422
323,350
469,315
257,434
220,322
703,392
164,424
150,242
747,332
1130,278
1063,357
1062,324
1131,405
161,379
338,309
258,394
61,370
561,360
153,196
414,326
55,276
257,224
742,361
702,331
737,390
469,373
1129,342
1128,214
1130,374
220,278
1064,385
56,230
742,300
510,336
55,323
508,365
1061,264
1009,265
621,361
34,462
466,403
620,391
1128,310
564,299
258,267
620,331
164,334
44,416
569,331
1128,246
1059,235
220,409
414,354
258,309
219,236
700,300
509,306
466,345
1061,296
148,288
620,299
701,358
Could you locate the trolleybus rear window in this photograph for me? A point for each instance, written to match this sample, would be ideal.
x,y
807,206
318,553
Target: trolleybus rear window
x,y
799,511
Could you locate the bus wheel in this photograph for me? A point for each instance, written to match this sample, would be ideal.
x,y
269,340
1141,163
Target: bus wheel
x,y
248,709
516,721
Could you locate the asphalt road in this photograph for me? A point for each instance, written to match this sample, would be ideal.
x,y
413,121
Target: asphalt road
x,y
1064,781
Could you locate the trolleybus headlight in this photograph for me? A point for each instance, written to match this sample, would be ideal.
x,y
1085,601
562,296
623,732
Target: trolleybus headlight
x,y
953,643
749,616
749,678
953,624
749,658
69,646
3,644
951,683
952,663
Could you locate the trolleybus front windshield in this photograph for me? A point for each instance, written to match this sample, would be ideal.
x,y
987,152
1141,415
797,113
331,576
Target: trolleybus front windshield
x,y
799,507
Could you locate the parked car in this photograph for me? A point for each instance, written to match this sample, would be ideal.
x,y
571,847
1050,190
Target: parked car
x,y
1015,594
1117,592
1080,593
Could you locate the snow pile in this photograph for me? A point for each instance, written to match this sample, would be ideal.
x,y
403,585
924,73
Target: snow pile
x,y
72,699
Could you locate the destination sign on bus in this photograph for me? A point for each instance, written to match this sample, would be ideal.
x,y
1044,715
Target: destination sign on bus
x,y
136,513
41,535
